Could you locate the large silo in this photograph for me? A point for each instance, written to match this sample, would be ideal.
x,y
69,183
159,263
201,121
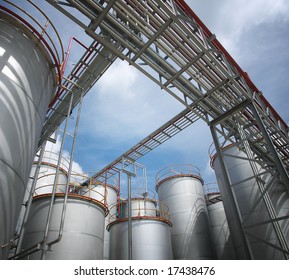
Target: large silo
x,y
82,232
107,194
180,187
27,84
150,231
259,197
220,232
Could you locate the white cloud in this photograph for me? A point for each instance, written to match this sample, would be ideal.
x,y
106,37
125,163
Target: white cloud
x,y
51,154
126,105
229,20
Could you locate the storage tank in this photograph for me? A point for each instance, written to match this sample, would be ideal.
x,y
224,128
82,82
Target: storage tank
x,y
220,233
107,194
253,210
47,174
45,180
151,236
27,85
83,230
180,187
140,206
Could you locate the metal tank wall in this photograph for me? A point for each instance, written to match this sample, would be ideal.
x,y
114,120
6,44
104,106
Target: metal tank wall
x,y
180,187
83,230
151,235
108,195
247,194
45,180
47,174
220,233
139,207
27,83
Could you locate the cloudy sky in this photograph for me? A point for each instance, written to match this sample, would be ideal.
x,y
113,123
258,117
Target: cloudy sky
x,y
124,107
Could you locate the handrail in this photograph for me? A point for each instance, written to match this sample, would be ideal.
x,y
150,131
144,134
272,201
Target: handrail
x,y
34,27
143,207
177,170
50,158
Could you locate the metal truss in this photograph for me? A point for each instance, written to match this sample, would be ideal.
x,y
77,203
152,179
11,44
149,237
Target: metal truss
x,y
268,173
169,44
152,141
166,42
86,72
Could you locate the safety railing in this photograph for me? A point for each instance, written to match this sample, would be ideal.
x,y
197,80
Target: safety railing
x,y
212,152
31,16
141,207
51,159
178,170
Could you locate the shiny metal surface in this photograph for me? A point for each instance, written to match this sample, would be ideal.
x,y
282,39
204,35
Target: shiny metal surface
x,y
251,205
139,207
219,229
150,230
47,174
45,180
107,194
26,86
184,195
151,240
83,229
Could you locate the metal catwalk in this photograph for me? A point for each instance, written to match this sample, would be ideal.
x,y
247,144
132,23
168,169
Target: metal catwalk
x,y
168,43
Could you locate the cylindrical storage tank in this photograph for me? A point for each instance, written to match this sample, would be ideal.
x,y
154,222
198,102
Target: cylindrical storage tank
x,y
27,83
251,205
151,236
83,230
220,233
180,187
140,206
47,174
97,191
106,194
45,180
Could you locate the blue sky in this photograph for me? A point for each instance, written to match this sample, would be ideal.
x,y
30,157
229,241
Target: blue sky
x,y
124,106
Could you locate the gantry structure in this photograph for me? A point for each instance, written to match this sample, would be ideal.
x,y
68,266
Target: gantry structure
x,y
169,44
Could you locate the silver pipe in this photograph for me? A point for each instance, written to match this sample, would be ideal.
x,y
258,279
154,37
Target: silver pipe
x,y
29,202
56,178
69,174
129,217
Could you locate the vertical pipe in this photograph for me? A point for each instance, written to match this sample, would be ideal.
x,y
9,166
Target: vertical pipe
x,y
69,173
56,177
29,202
129,217
236,212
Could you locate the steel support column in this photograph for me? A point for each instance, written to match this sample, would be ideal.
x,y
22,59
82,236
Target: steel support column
x,y
279,165
234,206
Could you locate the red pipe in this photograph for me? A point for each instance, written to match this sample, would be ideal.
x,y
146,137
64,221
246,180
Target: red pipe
x,y
59,92
184,6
